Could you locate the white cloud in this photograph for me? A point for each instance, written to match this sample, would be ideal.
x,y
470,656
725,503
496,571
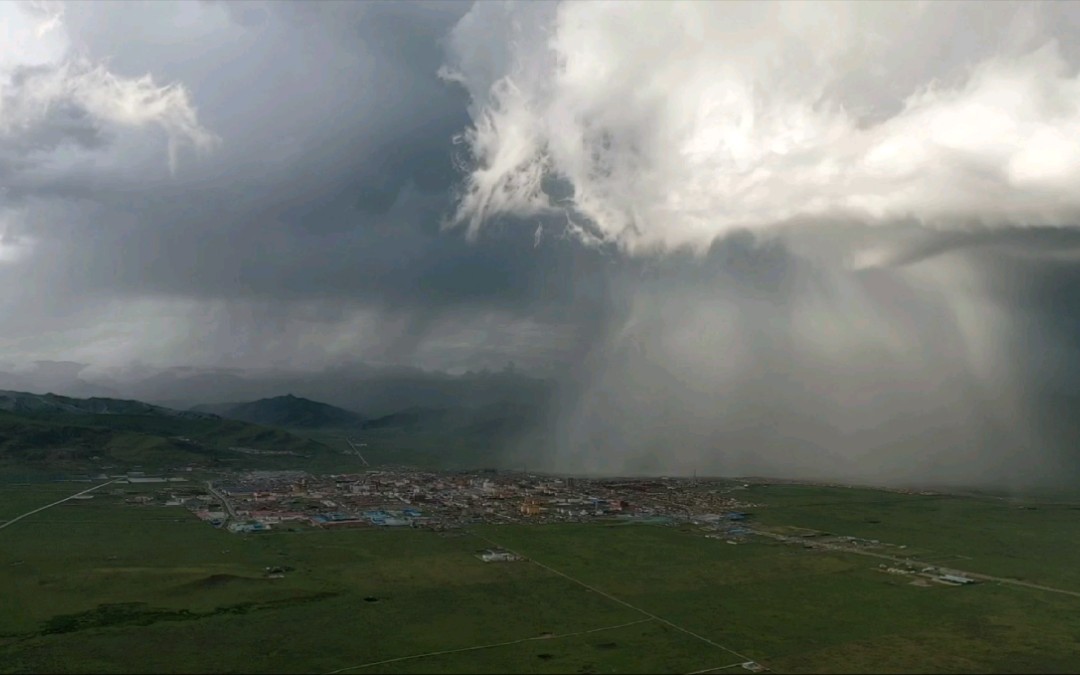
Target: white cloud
x,y
31,33
676,123
41,74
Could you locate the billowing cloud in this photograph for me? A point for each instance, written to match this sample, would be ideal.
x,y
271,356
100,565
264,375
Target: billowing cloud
x,y
837,227
670,124
53,97
66,118
309,234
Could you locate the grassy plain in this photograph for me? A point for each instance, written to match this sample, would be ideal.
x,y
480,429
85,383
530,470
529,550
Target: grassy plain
x,y
1022,539
813,611
72,574
102,586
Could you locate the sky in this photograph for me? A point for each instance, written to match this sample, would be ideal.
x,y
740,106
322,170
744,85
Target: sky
x,y
739,236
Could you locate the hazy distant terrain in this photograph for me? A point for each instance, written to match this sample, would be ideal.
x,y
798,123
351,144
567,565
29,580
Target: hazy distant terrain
x,y
500,435
26,403
69,434
65,434
286,411
371,391
496,434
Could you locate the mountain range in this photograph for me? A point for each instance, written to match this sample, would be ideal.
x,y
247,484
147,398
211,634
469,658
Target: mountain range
x,y
374,391
61,433
294,412
25,403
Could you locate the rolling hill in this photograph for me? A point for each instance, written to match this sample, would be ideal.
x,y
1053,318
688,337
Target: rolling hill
x,y
373,391
67,434
415,418
291,412
21,402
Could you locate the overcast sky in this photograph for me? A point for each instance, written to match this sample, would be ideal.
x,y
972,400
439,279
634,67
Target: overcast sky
x,y
846,217
248,184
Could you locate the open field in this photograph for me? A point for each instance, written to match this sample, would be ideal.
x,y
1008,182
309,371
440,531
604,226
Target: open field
x,y
17,499
98,585
76,569
1027,540
810,611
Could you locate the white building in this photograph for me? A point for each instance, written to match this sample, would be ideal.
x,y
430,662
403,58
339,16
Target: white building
x,y
497,556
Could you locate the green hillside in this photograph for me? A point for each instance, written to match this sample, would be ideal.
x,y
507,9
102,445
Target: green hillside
x,y
493,436
24,403
79,435
286,411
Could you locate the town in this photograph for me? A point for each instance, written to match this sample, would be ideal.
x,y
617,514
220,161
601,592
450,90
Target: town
x,y
262,500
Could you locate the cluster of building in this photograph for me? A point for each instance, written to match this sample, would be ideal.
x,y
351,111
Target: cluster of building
x,y
443,500
937,574
820,540
497,555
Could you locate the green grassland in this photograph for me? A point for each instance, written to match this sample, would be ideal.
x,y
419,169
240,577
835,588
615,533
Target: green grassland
x,y
103,586
80,567
1027,540
812,611
18,499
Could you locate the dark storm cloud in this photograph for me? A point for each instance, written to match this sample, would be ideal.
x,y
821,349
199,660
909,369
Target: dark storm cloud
x,y
903,310
758,359
322,203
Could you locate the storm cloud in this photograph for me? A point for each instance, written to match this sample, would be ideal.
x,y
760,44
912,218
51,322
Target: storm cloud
x,y
272,192
816,239
851,218
674,124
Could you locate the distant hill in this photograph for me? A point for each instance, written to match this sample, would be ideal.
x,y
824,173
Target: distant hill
x,y
489,420
416,418
291,412
375,392
454,437
63,433
21,402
